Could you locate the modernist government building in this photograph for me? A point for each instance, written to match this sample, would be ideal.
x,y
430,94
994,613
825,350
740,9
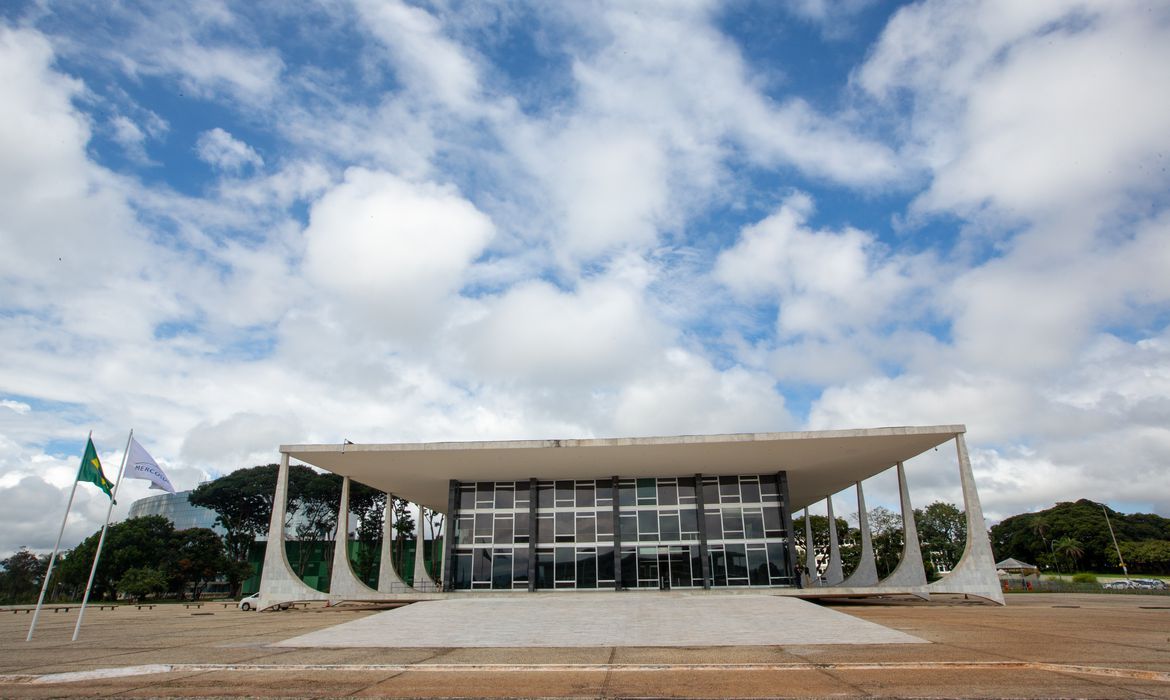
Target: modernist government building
x,y
696,512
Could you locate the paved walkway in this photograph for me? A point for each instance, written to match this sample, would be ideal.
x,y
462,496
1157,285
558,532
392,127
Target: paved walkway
x,y
613,620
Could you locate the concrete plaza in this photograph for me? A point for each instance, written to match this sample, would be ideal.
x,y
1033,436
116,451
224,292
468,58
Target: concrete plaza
x,y
1107,646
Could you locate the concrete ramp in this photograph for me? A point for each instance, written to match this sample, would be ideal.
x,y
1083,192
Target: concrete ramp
x,y
605,620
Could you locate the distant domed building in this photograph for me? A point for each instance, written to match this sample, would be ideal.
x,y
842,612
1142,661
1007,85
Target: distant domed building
x,y
176,508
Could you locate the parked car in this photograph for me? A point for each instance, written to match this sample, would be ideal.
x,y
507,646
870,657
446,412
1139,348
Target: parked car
x,y
251,602
1117,585
1149,584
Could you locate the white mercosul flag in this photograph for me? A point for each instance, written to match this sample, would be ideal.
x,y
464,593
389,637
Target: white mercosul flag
x,y
140,465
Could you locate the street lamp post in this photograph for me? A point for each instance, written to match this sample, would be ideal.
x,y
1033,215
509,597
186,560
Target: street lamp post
x,y
1119,557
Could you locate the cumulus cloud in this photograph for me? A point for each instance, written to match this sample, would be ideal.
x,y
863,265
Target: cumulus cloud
x,y
1036,110
393,250
824,281
221,150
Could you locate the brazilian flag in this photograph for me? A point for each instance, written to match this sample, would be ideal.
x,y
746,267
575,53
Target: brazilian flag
x,y
91,470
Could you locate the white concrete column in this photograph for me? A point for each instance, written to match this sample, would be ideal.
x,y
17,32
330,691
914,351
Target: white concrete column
x,y
278,582
833,575
343,582
975,572
910,573
810,551
866,572
422,580
388,579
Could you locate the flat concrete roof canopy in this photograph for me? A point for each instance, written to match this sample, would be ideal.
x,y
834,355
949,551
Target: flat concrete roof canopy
x,y
818,463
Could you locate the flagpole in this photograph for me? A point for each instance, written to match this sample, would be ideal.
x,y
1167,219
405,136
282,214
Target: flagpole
x,y
102,537
53,556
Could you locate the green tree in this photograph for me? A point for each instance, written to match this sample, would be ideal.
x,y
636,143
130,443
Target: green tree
x,y
141,582
1069,550
942,533
1031,537
1145,557
242,501
199,558
21,576
146,542
886,529
317,525
369,505
820,533
403,531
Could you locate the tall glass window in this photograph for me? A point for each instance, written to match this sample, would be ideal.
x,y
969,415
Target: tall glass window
x,y
657,521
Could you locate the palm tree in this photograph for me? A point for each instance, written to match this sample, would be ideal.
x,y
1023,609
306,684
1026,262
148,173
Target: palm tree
x,y
1069,549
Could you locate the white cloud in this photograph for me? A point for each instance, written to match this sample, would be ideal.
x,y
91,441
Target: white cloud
x,y
392,250
221,150
824,281
1035,109
683,394
19,407
432,65
600,334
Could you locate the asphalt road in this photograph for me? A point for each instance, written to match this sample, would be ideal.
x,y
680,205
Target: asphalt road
x,y
1038,646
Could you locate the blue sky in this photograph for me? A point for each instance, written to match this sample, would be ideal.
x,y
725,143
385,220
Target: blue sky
x,y
236,225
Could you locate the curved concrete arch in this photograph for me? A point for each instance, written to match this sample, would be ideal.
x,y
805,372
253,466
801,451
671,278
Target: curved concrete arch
x,y
833,574
278,582
866,572
975,572
422,580
343,582
388,579
810,552
910,572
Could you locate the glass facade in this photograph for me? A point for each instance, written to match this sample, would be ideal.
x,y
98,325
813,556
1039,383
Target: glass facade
x,y
676,532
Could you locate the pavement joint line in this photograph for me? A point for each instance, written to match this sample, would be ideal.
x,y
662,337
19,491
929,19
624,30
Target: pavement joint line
x,y
147,669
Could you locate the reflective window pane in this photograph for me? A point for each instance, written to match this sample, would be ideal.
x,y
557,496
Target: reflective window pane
x,y
629,527
544,529
566,560
667,493
523,493
565,493
627,494
750,491
758,567
668,527
587,569
605,568
772,524
647,525
737,567
647,492
585,493
544,497
729,489
769,488
544,568
604,492
485,494
502,571
586,528
686,489
521,531
566,527
503,532
714,524
520,565
482,565
753,525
